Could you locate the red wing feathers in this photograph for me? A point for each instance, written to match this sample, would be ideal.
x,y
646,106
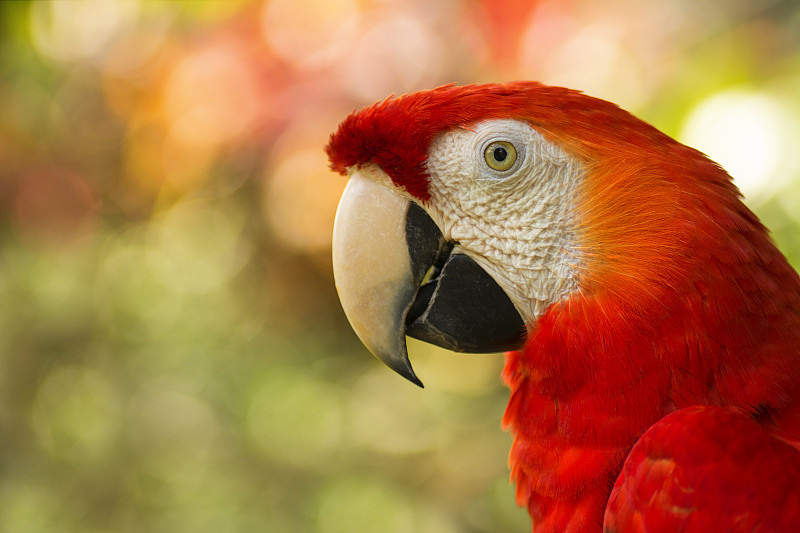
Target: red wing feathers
x,y
706,469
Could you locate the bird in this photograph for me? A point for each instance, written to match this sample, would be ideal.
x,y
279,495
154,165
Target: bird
x,y
651,325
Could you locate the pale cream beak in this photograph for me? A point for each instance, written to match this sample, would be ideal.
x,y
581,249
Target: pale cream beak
x,y
372,267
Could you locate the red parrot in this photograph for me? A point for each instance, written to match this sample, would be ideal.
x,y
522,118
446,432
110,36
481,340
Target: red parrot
x,y
653,325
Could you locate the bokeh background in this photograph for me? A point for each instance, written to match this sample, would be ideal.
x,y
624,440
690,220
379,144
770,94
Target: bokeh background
x,y
172,353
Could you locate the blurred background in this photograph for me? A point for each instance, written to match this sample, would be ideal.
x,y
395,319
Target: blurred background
x,y
173,356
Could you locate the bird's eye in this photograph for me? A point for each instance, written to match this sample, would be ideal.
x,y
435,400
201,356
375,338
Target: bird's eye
x,y
500,155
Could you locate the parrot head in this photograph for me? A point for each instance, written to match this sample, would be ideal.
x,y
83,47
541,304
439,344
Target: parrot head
x,y
618,267
471,210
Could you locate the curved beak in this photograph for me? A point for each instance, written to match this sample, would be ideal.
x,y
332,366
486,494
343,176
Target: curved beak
x,y
396,275
372,270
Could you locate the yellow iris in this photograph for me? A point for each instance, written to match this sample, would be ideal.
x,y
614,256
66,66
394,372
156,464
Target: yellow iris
x,y
500,155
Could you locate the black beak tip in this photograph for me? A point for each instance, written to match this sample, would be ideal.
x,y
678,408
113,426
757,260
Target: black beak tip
x,y
403,367
409,374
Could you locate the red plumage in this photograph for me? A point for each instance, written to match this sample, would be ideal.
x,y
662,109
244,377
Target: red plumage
x,y
396,133
683,301
675,474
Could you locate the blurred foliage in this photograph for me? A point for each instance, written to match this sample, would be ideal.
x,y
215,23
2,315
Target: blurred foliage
x,y
173,354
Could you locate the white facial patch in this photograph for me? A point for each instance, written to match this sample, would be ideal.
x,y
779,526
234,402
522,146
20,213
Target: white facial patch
x,y
516,224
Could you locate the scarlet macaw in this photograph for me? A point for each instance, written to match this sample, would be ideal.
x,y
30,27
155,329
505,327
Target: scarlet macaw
x,y
654,327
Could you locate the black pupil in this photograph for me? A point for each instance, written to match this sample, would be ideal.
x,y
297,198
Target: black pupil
x,y
500,154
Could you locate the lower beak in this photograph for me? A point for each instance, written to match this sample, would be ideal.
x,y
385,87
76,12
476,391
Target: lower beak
x,y
397,275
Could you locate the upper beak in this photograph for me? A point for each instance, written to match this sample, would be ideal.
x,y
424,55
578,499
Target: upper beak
x,y
384,247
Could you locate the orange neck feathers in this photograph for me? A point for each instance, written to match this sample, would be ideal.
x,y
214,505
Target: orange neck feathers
x,y
684,300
